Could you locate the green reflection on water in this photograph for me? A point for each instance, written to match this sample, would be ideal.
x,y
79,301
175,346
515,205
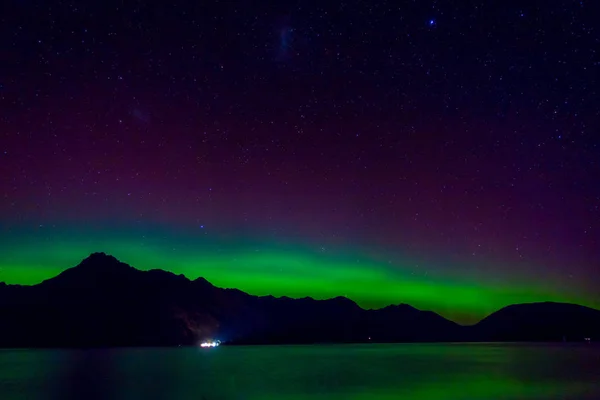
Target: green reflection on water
x,y
426,372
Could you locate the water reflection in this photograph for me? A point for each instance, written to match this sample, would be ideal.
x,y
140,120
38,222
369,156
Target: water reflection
x,y
301,372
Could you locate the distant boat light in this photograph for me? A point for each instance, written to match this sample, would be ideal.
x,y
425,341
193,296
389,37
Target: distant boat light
x,y
211,343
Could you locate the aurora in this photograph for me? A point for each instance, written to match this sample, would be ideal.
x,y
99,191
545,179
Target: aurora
x,y
276,268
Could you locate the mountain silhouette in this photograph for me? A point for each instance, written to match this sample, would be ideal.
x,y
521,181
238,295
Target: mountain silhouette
x,y
104,302
540,322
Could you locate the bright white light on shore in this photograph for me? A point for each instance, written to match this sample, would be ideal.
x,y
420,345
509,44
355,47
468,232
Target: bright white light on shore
x,y
211,343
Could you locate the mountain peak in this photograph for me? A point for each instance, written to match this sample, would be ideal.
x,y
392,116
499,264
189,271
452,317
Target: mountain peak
x,y
103,261
343,300
96,267
202,280
98,257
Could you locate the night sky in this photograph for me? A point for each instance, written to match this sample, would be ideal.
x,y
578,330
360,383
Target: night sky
x,y
443,154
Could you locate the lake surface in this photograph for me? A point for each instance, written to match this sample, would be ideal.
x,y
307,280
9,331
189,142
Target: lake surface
x,y
405,371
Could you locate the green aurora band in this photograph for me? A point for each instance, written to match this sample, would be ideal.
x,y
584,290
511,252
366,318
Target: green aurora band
x,y
276,268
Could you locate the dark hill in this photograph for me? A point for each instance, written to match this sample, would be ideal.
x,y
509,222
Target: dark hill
x,y
540,322
103,302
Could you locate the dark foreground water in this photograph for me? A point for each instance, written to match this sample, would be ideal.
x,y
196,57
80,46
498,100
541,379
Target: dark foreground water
x,y
410,371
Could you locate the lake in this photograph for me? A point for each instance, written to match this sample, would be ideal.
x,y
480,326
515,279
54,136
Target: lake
x,y
398,371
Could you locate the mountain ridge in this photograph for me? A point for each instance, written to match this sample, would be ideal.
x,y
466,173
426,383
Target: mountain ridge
x,y
105,302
